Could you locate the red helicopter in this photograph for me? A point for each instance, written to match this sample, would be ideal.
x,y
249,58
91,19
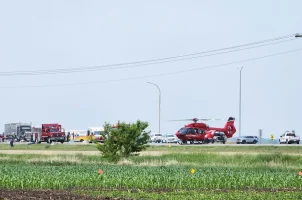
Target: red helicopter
x,y
202,133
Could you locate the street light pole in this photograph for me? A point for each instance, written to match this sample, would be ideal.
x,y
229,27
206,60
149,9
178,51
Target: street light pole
x,y
240,103
158,105
297,35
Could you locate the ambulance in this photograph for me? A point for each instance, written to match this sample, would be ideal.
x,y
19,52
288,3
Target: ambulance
x,y
96,133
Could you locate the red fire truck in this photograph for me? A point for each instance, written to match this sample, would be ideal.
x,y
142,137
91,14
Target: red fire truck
x,y
49,133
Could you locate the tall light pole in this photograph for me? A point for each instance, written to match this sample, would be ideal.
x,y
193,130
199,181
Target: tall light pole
x,y
158,105
240,103
297,35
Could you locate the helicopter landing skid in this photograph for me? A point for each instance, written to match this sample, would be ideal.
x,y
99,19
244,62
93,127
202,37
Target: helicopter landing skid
x,y
184,142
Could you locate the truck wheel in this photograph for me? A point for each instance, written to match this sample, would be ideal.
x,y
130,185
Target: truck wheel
x,y
48,141
298,142
254,141
62,141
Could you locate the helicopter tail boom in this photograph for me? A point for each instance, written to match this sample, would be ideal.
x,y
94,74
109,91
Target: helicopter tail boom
x,y
229,129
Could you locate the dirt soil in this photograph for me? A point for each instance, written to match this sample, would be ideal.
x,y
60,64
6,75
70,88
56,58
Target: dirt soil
x,y
15,194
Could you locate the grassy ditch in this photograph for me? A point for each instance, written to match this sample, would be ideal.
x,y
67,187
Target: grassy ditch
x,y
161,149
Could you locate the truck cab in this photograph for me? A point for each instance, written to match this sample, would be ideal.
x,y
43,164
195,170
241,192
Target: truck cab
x,y
25,133
51,133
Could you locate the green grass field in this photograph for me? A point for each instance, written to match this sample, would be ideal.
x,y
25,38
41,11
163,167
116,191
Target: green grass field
x,y
294,149
266,172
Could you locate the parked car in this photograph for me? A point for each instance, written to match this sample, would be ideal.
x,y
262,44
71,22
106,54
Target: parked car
x,y
220,137
170,138
247,140
288,138
156,137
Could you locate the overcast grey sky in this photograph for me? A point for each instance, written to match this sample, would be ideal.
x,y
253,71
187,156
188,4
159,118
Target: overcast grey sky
x,y
45,35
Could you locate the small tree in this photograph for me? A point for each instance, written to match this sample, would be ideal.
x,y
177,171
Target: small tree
x,y
123,140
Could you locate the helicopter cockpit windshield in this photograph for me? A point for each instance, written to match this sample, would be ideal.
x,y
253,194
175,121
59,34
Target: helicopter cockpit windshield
x,y
184,131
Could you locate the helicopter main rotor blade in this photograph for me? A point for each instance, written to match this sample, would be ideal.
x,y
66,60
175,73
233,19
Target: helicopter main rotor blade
x,y
181,120
197,119
211,119
217,119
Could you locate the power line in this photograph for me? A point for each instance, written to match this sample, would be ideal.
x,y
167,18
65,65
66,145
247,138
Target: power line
x,y
147,62
144,64
156,75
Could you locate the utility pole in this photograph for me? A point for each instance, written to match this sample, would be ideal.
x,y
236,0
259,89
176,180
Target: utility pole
x,y
159,101
240,103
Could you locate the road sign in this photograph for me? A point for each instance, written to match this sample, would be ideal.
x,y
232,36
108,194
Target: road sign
x,y
260,135
272,137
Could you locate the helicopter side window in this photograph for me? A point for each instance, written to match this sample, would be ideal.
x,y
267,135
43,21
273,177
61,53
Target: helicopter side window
x,y
191,131
196,131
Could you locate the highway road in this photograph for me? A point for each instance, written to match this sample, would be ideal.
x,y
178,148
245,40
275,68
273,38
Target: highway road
x,y
220,144
172,144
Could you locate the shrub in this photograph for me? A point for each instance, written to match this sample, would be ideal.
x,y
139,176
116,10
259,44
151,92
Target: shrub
x,y
123,140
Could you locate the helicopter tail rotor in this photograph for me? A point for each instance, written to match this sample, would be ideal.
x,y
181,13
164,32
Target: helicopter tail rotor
x,y
229,127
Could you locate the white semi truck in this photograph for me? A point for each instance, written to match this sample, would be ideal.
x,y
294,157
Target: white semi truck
x,y
18,131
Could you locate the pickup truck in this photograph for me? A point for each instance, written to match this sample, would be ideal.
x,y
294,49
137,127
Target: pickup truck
x,y
288,138
220,137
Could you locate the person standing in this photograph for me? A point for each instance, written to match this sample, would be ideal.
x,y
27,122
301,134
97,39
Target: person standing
x,y
12,141
68,136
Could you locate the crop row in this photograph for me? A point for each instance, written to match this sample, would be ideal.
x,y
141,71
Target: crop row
x,y
196,159
113,176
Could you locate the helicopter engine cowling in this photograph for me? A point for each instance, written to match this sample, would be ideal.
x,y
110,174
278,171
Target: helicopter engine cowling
x,y
209,135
